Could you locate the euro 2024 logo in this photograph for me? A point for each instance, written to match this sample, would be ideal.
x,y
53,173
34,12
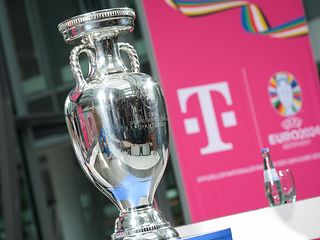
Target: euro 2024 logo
x,y
286,98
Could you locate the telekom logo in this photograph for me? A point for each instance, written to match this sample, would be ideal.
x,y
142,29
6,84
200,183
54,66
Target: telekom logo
x,y
209,115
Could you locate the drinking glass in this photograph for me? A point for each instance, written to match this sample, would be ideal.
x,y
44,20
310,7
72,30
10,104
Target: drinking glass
x,y
288,185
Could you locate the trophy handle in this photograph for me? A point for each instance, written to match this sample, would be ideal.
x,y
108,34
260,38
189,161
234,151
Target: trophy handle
x,y
132,54
75,65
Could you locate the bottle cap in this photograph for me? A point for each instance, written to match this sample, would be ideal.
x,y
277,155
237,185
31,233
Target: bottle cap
x,y
265,152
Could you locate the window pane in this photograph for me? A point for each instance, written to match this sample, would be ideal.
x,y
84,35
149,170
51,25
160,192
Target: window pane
x,y
29,226
32,79
81,211
51,14
40,105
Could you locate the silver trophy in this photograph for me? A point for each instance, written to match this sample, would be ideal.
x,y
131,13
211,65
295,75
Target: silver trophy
x,y
118,122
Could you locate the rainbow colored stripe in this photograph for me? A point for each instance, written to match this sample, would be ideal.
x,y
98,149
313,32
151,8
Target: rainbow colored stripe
x,y
252,18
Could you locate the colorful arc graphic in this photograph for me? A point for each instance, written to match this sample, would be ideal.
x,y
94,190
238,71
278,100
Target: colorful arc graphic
x,y
252,18
285,94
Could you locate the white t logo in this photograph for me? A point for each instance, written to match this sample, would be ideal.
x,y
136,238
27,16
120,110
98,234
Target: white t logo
x,y
215,143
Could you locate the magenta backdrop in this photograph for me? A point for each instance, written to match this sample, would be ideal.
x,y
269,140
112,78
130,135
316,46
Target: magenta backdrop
x,y
215,78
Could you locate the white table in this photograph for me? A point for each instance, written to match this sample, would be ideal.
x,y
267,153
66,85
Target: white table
x,y
297,221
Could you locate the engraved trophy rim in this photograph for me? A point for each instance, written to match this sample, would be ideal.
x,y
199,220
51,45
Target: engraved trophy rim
x,y
105,20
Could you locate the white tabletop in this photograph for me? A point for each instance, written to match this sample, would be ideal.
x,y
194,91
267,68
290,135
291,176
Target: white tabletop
x,y
295,221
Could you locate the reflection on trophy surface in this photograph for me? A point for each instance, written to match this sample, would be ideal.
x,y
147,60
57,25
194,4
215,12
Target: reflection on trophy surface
x,y
123,138
118,123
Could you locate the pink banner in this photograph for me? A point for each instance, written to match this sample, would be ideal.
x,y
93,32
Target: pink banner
x,y
237,76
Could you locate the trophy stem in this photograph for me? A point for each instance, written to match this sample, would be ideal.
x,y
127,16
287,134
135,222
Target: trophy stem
x,y
143,223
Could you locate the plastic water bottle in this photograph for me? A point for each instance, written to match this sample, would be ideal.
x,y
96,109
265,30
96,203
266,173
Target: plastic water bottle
x,y
272,183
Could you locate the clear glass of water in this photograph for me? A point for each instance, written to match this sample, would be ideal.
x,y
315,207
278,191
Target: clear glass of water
x,y
288,185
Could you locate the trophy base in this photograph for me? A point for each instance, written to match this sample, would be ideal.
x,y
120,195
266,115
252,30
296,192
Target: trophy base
x,y
141,224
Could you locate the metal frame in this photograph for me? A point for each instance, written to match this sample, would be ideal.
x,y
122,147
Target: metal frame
x,y
8,165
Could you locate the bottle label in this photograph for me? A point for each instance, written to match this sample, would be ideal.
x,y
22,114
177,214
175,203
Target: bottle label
x,y
270,175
